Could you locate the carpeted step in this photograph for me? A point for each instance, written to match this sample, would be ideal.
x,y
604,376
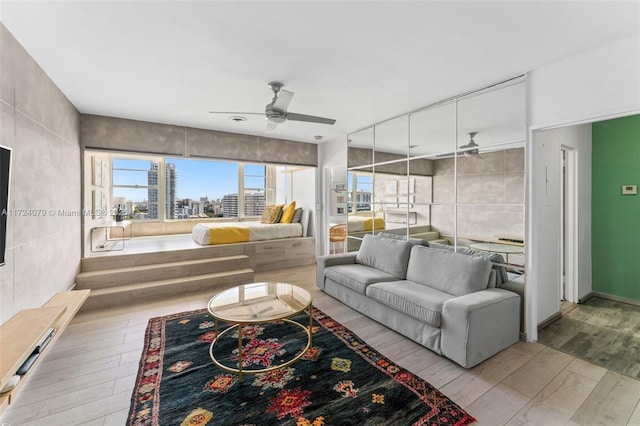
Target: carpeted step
x,y
150,290
138,274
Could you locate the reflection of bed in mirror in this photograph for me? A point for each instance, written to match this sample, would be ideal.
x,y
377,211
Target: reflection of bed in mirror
x,y
364,223
424,232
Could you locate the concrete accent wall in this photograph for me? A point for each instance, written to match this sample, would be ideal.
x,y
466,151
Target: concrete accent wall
x,y
490,195
119,134
42,127
363,156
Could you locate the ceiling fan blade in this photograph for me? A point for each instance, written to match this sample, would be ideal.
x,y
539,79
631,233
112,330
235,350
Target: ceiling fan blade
x,y
282,100
236,113
309,118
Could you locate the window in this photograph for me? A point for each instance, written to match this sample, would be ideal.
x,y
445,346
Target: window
x,y
255,184
158,188
203,188
136,180
360,192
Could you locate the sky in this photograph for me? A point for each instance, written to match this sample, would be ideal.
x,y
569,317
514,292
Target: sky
x,y
196,178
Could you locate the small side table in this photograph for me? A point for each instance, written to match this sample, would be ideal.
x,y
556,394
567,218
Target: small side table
x,y
106,227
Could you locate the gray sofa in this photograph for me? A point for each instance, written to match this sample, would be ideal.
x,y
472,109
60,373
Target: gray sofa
x,y
446,301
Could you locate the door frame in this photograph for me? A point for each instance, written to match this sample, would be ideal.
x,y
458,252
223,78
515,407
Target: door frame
x,y
569,225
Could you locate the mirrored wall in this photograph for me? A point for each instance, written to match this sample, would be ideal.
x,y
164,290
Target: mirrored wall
x,y
450,173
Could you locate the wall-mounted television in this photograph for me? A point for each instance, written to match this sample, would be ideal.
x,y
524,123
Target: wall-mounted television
x,y
5,174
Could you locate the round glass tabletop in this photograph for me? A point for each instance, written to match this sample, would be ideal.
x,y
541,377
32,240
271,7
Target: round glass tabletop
x,y
259,302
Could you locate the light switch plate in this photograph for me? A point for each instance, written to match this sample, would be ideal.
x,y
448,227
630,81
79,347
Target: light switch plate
x,y
629,189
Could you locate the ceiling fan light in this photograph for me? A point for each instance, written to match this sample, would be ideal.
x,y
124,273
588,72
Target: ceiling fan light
x,y
276,118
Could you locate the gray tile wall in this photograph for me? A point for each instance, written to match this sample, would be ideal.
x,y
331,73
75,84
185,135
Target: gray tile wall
x,y
43,128
118,134
490,195
362,156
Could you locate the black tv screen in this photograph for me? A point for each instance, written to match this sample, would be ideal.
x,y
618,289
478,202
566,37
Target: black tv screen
x,y
5,172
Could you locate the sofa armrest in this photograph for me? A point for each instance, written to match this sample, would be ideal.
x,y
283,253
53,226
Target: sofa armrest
x,y
331,260
478,325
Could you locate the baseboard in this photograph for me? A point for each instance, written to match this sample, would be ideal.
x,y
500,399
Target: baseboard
x,y
553,318
586,297
614,298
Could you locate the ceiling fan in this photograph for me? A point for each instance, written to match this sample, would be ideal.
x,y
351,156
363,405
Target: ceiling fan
x,y
471,144
276,111
471,148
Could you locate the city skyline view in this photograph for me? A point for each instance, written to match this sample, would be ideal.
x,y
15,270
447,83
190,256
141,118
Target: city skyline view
x,y
195,178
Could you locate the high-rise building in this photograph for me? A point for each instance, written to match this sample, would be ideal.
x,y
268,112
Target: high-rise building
x,y
230,205
171,182
253,204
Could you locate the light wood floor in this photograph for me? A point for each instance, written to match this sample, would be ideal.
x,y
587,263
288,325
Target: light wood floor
x,y
88,377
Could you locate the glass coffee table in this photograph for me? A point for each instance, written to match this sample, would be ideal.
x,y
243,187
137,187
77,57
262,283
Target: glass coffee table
x,y
258,303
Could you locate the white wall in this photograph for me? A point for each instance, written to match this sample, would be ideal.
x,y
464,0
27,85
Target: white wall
x,y
332,159
592,86
302,183
599,84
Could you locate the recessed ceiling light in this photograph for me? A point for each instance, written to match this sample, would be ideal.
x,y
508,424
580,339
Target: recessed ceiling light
x,y
238,118
318,137
413,146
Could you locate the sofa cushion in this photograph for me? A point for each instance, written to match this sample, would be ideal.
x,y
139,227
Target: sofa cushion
x,y
496,258
414,241
421,302
356,277
385,254
450,272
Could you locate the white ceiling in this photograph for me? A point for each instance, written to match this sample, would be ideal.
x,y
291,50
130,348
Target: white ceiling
x,y
355,61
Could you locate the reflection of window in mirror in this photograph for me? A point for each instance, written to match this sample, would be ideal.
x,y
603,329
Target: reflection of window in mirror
x,y
360,192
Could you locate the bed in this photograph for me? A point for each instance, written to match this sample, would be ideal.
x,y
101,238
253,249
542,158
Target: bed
x,y
212,233
363,223
242,232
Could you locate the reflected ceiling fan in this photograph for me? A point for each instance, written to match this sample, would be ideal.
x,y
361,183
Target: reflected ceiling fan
x,y
472,149
276,111
471,144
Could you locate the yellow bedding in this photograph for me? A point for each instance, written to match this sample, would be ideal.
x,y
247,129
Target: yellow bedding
x,y
363,223
369,224
229,234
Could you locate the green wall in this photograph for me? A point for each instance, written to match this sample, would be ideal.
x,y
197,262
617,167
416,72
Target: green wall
x,y
616,217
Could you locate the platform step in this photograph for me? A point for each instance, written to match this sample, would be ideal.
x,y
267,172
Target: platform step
x,y
161,271
151,290
117,260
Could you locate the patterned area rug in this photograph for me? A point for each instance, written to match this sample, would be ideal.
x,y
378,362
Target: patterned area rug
x,y
339,381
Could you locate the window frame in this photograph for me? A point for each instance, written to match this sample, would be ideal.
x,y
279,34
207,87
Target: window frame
x,y
269,187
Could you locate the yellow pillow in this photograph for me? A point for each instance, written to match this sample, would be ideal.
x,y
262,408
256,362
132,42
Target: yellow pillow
x,y
271,213
287,213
